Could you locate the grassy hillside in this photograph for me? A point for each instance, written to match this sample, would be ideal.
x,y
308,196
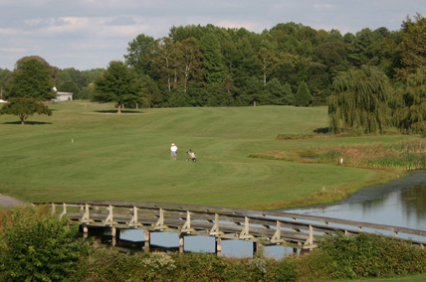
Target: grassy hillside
x,y
86,151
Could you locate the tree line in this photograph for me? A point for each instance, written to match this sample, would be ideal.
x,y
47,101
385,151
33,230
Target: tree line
x,y
366,78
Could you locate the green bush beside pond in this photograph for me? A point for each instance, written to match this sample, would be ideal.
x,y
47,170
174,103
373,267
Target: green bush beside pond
x,y
37,246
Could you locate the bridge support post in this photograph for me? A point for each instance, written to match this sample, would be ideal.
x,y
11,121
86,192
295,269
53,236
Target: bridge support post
x,y
181,243
218,246
85,231
115,233
256,248
147,240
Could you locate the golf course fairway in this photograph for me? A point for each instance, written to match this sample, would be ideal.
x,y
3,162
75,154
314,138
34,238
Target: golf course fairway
x,y
86,151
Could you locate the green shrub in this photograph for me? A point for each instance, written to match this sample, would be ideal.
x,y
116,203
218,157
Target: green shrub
x,y
37,246
107,264
365,255
199,267
285,270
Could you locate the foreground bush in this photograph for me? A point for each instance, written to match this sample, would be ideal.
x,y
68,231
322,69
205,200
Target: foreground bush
x,y
365,255
110,265
37,246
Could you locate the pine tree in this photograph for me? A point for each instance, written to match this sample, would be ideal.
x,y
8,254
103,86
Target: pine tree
x,y
303,95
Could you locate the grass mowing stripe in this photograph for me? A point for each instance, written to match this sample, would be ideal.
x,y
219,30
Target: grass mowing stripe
x,y
126,157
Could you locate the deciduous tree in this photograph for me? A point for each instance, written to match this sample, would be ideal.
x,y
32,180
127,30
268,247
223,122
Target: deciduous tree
x,y
267,59
190,63
413,46
119,84
138,53
164,59
32,78
24,108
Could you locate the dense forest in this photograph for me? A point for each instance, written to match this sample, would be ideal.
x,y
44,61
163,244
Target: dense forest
x,y
290,64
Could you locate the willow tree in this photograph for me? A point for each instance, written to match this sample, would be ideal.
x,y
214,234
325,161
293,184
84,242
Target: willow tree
x,y
359,102
410,114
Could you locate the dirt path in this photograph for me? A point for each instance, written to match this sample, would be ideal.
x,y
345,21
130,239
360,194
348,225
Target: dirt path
x,y
8,202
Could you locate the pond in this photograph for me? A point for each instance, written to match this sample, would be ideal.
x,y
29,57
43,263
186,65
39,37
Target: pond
x,y
400,202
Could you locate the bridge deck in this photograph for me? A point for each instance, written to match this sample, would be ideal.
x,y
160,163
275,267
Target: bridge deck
x,y
265,227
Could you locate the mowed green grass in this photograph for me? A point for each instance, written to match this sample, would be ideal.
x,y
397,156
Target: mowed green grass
x,y
402,278
85,151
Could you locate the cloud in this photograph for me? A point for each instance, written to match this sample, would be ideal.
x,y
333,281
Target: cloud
x,y
235,24
8,32
85,27
33,22
323,6
12,50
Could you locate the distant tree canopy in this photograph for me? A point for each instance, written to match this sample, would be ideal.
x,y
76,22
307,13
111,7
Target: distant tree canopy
x,y
24,108
224,63
119,84
5,75
69,86
138,53
412,46
289,64
32,77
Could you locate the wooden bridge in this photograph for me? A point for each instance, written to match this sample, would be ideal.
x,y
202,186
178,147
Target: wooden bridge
x,y
263,228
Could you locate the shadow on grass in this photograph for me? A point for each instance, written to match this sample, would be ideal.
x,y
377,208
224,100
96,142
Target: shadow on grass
x,y
122,111
28,122
323,130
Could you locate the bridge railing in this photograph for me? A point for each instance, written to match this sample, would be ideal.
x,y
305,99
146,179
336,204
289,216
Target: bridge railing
x,y
265,227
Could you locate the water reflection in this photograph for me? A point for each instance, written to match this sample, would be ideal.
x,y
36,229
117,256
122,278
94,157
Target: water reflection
x,y
203,244
401,202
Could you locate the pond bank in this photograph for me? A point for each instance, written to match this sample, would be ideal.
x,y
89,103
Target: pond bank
x,y
377,191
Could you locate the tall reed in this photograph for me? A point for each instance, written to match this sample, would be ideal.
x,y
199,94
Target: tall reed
x,y
408,155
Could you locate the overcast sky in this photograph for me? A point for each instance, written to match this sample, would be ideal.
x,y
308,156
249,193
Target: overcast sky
x,y
87,34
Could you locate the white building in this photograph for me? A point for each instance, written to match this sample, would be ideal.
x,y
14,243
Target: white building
x,y
63,96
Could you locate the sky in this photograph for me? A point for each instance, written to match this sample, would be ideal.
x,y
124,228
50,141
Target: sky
x,y
88,34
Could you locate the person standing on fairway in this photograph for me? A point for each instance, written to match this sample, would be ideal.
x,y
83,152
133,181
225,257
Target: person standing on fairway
x,y
173,151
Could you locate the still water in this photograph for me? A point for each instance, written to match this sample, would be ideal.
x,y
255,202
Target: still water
x,y
400,202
